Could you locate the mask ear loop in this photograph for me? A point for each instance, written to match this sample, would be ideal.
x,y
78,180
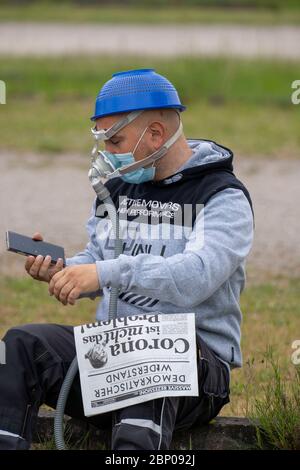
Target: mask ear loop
x,y
138,142
153,166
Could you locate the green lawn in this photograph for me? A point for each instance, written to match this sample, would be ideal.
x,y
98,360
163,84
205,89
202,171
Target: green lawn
x,y
188,14
26,301
243,104
271,318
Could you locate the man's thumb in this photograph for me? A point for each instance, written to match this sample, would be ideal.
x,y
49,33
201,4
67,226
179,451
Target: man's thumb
x,y
37,236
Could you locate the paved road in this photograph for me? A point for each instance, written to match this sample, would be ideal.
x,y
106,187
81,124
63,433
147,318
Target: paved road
x,y
53,195
145,40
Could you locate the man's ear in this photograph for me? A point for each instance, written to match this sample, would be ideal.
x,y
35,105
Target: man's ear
x,y
158,133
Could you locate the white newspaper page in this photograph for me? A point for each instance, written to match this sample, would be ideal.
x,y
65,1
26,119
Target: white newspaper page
x,y
134,359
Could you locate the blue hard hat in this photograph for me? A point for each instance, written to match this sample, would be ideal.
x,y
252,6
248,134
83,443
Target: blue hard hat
x,y
135,90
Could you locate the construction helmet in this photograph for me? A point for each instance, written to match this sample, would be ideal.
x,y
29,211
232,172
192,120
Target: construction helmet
x,y
135,90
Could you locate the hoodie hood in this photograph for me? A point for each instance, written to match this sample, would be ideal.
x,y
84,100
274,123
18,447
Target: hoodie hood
x,y
206,152
207,155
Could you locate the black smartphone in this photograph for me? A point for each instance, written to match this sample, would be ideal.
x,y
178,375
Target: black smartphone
x,y
27,246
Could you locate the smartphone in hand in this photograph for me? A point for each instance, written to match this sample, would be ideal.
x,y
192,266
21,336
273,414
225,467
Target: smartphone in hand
x,y
27,246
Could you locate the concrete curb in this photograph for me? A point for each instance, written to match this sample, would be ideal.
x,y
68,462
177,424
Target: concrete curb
x,y
223,433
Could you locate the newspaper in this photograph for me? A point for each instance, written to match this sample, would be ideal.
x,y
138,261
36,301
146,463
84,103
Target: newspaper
x,y
134,359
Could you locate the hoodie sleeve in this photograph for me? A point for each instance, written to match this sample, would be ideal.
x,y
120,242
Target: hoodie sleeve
x,y
189,278
92,252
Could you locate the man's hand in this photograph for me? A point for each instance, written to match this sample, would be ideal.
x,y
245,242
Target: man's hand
x,y
40,268
68,284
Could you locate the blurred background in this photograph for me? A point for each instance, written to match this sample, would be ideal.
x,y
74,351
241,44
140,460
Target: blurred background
x,y
233,63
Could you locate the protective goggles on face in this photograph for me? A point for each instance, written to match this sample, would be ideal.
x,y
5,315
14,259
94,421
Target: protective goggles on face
x,y
106,134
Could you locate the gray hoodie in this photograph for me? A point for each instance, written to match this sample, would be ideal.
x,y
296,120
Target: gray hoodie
x,y
197,267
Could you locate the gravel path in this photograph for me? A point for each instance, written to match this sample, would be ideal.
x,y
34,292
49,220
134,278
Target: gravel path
x,y
53,195
145,40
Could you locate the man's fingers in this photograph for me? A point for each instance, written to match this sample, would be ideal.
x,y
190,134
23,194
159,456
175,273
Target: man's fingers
x,y
57,282
73,296
29,262
35,267
59,263
58,287
65,291
43,271
56,268
40,268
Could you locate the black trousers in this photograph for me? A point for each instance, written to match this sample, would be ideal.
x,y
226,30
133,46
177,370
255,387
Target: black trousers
x,y
37,359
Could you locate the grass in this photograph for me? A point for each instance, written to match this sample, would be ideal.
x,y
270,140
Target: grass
x,y
271,318
26,301
159,14
278,411
72,441
243,104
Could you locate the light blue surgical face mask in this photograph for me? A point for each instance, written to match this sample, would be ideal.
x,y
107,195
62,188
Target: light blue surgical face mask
x,y
120,160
